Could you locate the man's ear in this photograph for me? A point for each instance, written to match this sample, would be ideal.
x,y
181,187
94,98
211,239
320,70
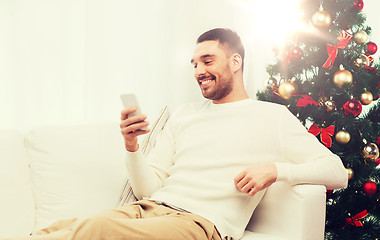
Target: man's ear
x,y
236,62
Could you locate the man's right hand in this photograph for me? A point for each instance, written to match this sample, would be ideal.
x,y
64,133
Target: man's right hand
x,y
131,128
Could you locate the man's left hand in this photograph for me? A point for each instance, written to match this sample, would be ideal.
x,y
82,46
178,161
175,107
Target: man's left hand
x,y
256,178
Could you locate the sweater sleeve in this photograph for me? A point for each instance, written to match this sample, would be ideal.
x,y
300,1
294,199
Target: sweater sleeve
x,y
147,173
304,159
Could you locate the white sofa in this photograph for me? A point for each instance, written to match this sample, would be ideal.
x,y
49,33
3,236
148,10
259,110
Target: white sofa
x,y
53,172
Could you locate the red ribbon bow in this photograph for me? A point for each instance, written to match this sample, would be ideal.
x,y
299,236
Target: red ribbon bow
x,y
306,100
344,37
354,221
326,133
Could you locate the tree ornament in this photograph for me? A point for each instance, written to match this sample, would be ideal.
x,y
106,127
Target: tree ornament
x,y
305,100
358,5
350,173
371,48
321,19
328,103
352,107
371,151
360,37
326,133
377,162
342,137
344,37
287,89
271,83
366,98
322,100
342,77
295,53
369,188
355,220
362,61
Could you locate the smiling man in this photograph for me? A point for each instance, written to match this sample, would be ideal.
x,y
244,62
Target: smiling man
x,y
216,63
212,161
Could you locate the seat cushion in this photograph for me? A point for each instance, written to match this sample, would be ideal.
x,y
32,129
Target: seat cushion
x,y
17,204
76,171
248,235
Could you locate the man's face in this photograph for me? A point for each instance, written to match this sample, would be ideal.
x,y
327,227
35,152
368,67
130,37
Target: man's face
x,y
212,70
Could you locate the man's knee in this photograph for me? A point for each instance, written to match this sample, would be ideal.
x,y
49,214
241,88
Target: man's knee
x,y
91,228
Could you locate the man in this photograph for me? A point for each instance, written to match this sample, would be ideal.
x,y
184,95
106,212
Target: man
x,y
212,162
214,159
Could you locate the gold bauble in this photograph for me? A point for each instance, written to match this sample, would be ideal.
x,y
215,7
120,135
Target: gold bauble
x,y
371,151
342,77
360,37
342,137
287,89
362,61
321,19
366,98
350,173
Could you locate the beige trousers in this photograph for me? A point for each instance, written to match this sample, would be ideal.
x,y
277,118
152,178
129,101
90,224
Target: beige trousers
x,y
140,220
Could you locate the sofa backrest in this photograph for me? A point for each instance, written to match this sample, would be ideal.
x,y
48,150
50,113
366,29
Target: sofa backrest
x,y
16,199
75,171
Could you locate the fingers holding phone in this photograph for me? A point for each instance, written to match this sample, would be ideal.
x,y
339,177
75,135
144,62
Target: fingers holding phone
x,y
133,123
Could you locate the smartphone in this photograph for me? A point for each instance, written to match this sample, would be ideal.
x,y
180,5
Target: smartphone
x,y
130,100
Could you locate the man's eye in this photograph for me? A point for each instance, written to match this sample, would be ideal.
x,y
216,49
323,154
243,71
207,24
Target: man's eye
x,y
208,62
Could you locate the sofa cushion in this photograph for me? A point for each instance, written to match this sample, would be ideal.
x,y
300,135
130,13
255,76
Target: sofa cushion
x,y
17,204
76,171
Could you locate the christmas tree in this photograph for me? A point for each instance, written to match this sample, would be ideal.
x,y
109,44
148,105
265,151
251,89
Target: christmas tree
x,y
326,77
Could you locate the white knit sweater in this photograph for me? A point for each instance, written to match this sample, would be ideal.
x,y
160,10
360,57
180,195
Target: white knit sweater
x,y
203,147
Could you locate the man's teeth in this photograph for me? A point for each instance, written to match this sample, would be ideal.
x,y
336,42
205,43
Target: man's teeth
x,y
205,82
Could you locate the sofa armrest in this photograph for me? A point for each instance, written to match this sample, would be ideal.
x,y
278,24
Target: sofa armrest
x,y
291,212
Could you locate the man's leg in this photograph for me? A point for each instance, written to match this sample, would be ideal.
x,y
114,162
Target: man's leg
x,y
141,220
147,220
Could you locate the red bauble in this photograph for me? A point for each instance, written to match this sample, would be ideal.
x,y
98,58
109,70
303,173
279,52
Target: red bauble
x,y
295,53
377,162
352,107
369,188
371,48
358,5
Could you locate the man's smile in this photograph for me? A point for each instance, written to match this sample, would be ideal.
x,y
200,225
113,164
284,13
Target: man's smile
x,y
205,82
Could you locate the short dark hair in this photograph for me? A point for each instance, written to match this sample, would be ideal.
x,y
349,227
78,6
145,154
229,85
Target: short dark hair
x,y
227,38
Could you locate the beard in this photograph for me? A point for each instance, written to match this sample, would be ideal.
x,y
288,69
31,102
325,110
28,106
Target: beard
x,y
222,86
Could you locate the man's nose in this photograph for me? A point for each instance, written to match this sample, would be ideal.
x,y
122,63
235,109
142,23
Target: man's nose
x,y
200,70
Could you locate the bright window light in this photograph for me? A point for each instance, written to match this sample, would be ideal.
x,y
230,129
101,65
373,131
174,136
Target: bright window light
x,y
272,19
